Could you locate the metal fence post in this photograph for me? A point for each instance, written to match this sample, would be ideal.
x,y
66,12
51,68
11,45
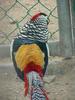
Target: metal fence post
x,y
65,27
72,4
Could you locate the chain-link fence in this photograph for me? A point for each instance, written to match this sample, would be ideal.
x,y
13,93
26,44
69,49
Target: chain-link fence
x,y
15,13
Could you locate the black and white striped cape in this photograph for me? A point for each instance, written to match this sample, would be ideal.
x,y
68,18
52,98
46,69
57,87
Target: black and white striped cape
x,y
36,29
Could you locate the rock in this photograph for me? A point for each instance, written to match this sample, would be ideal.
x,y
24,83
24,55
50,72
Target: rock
x,y
49,78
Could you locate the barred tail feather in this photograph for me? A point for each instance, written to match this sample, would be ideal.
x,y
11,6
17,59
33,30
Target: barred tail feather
x,y
36,85
38,94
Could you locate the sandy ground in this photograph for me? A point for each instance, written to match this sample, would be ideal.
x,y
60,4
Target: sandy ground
x,y
60,87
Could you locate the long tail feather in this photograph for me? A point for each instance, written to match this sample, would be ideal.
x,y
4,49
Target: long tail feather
x,y
36,85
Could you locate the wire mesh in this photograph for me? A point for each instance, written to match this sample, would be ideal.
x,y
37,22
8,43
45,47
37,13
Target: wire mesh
x,y
15,13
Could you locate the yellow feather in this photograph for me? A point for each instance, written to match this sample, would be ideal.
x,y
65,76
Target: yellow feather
x,y
29,53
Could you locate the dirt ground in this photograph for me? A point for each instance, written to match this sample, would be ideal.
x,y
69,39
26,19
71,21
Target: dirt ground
x,y
61,87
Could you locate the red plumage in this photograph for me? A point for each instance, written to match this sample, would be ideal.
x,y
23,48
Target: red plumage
x,y
35,16
31,67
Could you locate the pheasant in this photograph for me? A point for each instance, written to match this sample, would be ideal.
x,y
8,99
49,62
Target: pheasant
x,y
30,55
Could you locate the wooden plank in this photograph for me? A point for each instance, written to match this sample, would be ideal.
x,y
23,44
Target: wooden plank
x,y
65,27
54,49
4,51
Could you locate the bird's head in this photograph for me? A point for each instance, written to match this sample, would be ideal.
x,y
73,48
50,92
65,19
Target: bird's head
x,y
40,15
37,28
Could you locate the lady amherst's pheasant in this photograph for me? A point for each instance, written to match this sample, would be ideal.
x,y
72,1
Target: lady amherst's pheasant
x,y
30,55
